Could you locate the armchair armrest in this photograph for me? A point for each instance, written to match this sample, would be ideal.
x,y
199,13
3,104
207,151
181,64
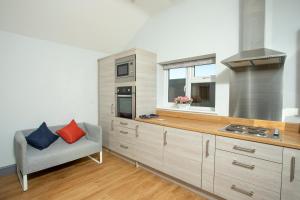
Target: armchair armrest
x,y
94,133
20,146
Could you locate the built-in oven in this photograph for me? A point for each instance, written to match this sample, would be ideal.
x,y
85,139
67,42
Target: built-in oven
x,y
125,69
125,101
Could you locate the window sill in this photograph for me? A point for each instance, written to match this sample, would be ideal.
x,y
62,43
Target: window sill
x,y
191,110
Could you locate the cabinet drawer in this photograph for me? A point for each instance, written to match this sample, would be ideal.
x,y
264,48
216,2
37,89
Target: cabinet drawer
x,y
125,148
253,149
126,123
124,133
233,189
264,174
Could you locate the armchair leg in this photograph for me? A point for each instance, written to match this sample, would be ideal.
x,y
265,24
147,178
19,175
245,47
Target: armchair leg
x,y
23,180
100,158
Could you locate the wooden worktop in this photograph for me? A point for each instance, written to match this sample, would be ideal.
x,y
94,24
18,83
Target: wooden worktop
x,y
290,136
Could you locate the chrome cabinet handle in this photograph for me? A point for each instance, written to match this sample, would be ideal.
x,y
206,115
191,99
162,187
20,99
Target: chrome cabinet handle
x,y
242,191
112,109
123,146
112,125
124,132
136,131
243,165
123,123
207,149
165,138
292,170
238,148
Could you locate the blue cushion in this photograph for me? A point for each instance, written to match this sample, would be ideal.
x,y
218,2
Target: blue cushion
x,y
41,138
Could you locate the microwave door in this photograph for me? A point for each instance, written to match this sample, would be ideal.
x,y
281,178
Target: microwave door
x,y
122,70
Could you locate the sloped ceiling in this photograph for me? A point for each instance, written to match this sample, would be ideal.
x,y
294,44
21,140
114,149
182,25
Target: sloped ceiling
x,y
153,7
102,25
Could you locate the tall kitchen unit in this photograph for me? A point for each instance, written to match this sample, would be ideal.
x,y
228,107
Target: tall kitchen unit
x,y
145,90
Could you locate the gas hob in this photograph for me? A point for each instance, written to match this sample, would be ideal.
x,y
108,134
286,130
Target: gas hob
x,y
252,130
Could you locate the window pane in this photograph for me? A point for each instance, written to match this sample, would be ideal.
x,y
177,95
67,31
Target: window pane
x,y
205,70
203,94
176,83
178,73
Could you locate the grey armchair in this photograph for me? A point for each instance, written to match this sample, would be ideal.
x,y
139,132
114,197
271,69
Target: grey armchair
x,y
30,160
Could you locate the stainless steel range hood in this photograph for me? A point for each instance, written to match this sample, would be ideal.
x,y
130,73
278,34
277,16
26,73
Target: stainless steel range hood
x,y
252,38
256,72
255,57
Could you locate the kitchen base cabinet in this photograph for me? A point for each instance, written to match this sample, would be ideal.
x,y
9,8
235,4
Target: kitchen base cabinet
x,y
291,175
183,155
208,164
149,145
234,189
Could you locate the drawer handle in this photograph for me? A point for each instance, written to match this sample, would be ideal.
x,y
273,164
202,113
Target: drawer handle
x,y
112,125
123,146
136,131
292,173
207,149
238,148
165,138
123,123
124,132
242,191
243,165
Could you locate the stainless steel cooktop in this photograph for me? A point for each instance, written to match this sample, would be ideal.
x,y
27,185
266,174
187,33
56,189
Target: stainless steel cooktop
x,y
252,130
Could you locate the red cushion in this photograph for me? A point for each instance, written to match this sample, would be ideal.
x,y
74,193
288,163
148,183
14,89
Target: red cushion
x,y
71,133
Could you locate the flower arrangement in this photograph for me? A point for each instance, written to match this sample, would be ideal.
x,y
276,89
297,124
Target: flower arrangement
x,y
183,100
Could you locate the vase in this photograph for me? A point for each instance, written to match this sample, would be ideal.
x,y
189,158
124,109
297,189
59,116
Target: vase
x,y
183,106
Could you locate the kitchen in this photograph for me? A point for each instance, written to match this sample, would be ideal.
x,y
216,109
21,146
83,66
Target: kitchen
x,y
168,99
250,155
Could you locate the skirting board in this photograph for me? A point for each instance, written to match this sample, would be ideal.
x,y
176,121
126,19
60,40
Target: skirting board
x,y
8,170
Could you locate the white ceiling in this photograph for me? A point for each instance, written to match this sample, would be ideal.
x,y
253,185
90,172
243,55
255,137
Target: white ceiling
x,y
154,6
101,25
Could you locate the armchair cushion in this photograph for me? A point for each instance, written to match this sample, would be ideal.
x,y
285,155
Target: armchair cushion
x,y
41,138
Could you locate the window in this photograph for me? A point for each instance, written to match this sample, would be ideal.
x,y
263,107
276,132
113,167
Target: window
x,y
177,79
194,78
205,70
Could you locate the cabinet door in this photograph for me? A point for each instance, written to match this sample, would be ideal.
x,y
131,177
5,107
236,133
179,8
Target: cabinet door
x,y
208,166
107,125
106,97
183,155
149,145
291,175
106,87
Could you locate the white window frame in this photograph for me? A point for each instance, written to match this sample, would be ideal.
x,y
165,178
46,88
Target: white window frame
x,y
190,78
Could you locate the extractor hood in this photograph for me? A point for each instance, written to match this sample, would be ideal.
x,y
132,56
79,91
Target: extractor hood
x,y
252,39
255,57
256,75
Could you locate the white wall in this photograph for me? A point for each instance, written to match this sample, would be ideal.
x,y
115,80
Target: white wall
x,y
284,35
191,28
43,81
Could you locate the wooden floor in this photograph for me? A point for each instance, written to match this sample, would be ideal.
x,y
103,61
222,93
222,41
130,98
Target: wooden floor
x,y
115,179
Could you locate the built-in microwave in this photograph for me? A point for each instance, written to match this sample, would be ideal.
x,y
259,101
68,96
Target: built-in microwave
x,y
125,69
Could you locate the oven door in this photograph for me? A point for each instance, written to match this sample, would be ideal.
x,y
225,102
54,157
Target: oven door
x,y
125,106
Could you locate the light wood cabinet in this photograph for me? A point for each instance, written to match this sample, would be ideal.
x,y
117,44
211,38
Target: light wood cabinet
x,y
106,92
208,165
183,155
252,149
149,145
291,175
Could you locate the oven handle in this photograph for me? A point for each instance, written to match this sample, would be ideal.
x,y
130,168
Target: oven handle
x,y
123,95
